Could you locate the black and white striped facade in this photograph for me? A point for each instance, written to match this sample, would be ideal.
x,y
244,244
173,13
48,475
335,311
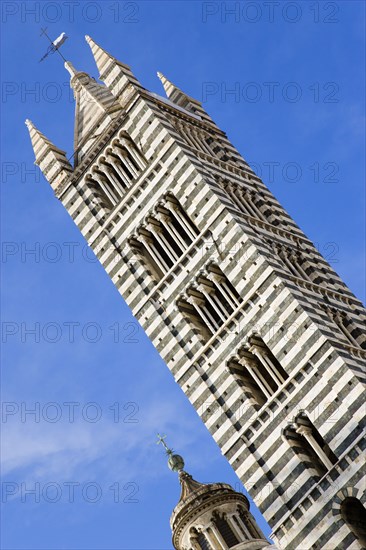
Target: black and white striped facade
x,y
261,334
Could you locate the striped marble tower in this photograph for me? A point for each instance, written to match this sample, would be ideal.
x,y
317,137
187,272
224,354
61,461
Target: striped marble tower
x,y
258,330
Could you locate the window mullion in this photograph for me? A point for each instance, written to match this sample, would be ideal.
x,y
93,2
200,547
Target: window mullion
x,y
259,379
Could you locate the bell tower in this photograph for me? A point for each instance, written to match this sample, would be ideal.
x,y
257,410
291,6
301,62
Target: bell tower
x,y
261,334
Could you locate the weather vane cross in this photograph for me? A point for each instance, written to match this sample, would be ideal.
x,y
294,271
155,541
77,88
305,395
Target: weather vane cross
x,y
161,440
54,45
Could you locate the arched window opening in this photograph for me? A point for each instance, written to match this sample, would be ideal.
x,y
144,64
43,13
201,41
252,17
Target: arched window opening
x,y
214,298
305,452
117,169
251,202
106,185
149,260
354,334
191,314
206,307
250,528
181,220
161,233
112,174
166,234
101,199
225,530
354,514
155,248
305,425
248,383
203,542
229,295
123,175
263,365
308,443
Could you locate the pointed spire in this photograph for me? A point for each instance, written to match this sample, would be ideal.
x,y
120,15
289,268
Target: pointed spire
x,y
70,67
95,105
116,75
172,91
180,98
175,94
52,161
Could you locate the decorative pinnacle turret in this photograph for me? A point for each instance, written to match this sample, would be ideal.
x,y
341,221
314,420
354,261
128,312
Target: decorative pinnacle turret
x,y
169,87
70,68
29,124
175,462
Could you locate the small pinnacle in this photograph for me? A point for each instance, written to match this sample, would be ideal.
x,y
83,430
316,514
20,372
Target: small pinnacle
x,y
70,68
29,124
88,39
162,77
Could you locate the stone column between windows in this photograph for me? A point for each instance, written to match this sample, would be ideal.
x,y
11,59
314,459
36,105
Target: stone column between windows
x,y
98,176
217,536
230,188
234,527
131,167
149,244
204,311
159,236
209,292
122,154
112,160
125,143
220,282
110,175
262,383
296,261
198,304
194,542
166,220
256,212
264,358
202,136
307,433
242,525
195,140
180,218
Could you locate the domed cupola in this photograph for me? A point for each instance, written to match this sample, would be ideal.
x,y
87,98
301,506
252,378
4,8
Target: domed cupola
x,y
211,516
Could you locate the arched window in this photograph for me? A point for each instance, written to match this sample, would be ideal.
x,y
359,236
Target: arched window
x,y
192,315
198,540
354,334
164,237
213,297
203,542
225,530
251,528
310,446
99,197
354,514
248,383
263,366
116,171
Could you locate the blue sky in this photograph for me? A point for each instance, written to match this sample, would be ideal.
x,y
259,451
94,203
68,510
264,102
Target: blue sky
x,y
297,115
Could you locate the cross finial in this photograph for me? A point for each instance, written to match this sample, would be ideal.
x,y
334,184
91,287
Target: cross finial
x,y
161,440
